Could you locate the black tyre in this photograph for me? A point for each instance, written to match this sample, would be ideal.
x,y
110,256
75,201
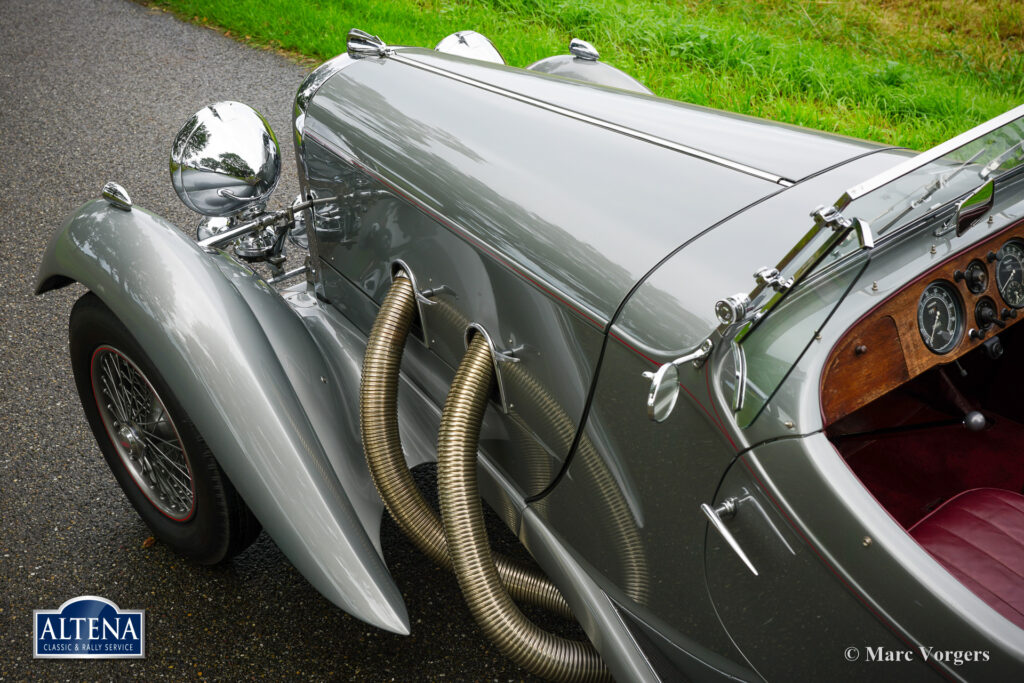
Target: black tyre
x,y
155,452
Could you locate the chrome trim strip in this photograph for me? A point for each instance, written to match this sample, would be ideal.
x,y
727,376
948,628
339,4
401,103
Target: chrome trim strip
x,y
913,163
311,84
601,123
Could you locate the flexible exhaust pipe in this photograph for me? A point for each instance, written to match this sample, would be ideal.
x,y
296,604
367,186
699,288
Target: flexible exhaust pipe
x,y
378,419
536,650
612,514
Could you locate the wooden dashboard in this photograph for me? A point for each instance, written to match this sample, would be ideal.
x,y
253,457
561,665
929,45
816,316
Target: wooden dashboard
x,y
886,347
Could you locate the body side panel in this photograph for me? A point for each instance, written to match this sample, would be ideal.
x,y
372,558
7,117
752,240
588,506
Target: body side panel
x,y
640,485
555,347
663,472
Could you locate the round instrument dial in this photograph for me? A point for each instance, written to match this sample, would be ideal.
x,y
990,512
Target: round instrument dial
x,y
976,277
985,312
940,317
1010,273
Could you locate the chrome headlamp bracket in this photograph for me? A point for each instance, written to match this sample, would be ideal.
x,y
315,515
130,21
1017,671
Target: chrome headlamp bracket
x,y
210,226
263,245
259,239
278,221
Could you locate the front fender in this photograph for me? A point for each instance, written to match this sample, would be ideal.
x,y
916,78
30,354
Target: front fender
x,y
254,383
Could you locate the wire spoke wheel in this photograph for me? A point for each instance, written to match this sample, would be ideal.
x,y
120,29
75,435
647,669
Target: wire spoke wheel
x,y
154,450
143,433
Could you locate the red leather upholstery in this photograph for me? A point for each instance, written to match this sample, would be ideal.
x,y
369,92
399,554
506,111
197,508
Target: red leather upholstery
x,y
978,536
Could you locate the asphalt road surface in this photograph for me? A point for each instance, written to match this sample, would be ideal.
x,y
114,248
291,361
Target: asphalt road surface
x,y
91,91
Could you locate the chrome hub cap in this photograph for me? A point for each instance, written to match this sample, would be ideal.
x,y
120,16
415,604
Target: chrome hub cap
x,y
143,433
129,439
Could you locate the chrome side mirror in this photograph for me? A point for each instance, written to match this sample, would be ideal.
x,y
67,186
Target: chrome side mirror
x,y
225,160
971,210
664,391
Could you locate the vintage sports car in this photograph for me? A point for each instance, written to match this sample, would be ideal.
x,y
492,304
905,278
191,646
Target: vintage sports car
x,y
529,277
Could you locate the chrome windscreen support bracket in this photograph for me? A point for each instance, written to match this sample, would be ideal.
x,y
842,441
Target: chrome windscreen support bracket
x,y
770,277
739,359
753,307
732,309
832,218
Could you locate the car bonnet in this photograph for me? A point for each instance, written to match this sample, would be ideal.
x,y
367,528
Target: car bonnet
x,y
518,162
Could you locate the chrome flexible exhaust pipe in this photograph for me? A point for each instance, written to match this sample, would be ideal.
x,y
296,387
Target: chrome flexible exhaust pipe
x,y
378,418
536,650
538,410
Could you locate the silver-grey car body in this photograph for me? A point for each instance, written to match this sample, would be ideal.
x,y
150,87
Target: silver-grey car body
x,y
590,229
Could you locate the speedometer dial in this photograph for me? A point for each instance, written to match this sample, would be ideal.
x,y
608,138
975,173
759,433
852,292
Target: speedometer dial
x,y
1010,273
940,317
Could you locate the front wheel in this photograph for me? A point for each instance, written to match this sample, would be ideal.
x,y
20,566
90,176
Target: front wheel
x,y
155,452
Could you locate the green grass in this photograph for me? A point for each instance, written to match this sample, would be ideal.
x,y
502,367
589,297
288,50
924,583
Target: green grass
x,y
905,72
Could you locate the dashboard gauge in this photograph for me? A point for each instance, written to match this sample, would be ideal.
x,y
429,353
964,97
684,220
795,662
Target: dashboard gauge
x,y
1010,273
940,317
976,277
985,313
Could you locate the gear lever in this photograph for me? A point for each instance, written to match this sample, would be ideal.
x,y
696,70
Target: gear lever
x,y
975,421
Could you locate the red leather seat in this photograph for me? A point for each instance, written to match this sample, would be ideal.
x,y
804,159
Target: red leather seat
x,y
978,536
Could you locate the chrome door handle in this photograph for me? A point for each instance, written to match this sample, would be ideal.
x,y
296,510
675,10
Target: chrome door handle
x,y
727,508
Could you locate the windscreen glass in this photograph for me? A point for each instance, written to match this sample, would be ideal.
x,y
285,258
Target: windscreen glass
x,y
774,339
